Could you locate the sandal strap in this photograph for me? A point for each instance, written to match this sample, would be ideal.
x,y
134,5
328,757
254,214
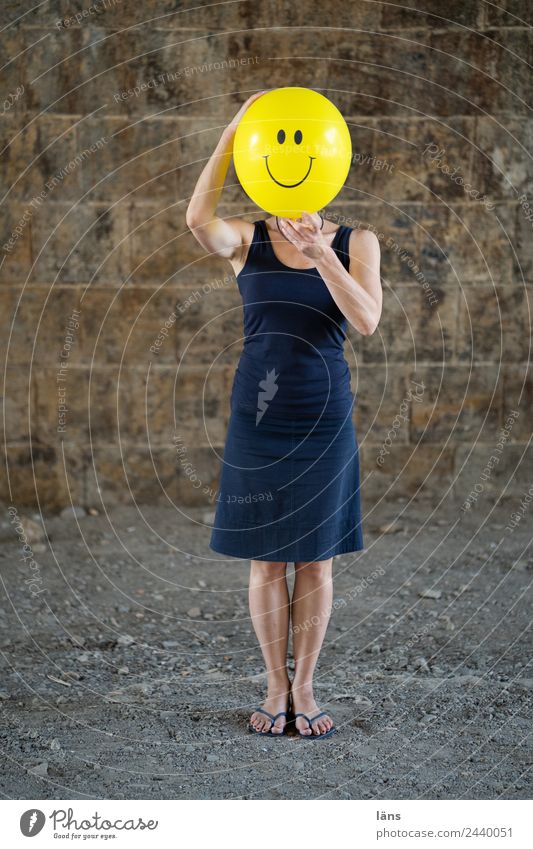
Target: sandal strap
x,y
310,721
271,716
322,713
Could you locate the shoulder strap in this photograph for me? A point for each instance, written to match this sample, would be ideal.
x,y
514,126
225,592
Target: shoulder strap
x,y
259,245
340,245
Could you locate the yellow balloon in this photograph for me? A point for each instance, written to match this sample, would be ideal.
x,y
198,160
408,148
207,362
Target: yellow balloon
x,y
292,151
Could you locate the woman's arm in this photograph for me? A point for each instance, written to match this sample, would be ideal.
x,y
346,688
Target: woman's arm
x,y
358,293
216,235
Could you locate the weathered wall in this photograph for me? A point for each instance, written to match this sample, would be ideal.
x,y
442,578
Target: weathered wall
x,y
97,180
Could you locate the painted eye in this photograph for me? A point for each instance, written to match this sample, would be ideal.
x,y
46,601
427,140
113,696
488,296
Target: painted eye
x,y
281,136
298,137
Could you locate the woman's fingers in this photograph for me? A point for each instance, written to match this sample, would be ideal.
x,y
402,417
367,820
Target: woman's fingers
x,y
303,238
298,229
289,232
292,236
311,220
253,98
246,105
307,224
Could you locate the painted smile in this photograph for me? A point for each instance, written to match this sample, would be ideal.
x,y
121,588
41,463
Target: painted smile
x,y
289,185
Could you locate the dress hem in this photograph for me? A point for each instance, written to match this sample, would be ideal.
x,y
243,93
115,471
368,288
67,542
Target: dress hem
x,y
324,552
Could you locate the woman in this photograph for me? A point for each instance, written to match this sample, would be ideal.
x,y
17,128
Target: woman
x,y
289,489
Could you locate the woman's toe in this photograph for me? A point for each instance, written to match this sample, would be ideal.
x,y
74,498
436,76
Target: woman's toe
x,y
257,722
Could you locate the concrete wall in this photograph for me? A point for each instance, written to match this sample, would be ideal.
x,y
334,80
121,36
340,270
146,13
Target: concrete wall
x,y
96,257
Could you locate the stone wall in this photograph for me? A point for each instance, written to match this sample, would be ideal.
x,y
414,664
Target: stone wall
x,y
109,113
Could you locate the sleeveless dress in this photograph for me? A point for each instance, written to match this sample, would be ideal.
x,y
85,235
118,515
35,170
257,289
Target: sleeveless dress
x,y
289,482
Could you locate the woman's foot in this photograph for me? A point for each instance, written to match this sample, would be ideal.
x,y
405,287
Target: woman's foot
x,y
277,700
303,701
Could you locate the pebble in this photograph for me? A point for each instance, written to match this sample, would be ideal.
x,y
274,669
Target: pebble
x,y
434,594
422,664
125,640
194,613
72,512
40,769
34,531
55,745
526,683
390,528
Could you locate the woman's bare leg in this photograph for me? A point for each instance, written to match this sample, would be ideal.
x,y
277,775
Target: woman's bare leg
x,y
269,609
310,611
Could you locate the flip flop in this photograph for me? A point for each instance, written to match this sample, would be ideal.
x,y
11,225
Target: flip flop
x,y
310,721
268,733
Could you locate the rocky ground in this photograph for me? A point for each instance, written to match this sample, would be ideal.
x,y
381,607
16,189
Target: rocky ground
x,y
130,666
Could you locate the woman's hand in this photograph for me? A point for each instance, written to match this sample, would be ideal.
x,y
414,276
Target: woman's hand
x,y
305,234
234,123
357,291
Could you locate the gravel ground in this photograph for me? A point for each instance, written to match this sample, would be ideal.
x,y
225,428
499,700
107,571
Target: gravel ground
x,y
132,672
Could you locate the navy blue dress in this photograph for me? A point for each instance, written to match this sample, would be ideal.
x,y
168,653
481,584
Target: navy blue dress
x,y
289,483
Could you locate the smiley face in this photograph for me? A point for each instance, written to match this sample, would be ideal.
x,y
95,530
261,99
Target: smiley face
x,y
292,151
298,138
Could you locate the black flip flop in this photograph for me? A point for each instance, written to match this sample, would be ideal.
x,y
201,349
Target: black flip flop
x,y
273,718
310,721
